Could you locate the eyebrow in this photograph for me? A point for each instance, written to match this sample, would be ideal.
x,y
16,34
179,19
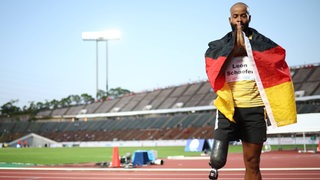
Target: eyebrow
x,y
239,14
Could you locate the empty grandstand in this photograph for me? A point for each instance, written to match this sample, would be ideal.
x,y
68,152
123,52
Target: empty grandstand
x,y
173,113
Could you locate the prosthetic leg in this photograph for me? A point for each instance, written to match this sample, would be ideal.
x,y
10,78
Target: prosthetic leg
x,y
218,157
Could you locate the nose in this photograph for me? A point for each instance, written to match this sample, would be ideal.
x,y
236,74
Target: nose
x,y
238,19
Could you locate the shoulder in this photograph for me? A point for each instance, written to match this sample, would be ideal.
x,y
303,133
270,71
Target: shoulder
x,y
260,42
221,42
220,47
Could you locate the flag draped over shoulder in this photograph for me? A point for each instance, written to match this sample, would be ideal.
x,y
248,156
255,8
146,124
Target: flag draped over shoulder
x,y
277,89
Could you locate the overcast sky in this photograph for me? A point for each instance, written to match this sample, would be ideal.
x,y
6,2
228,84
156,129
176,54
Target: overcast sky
x,y
43,56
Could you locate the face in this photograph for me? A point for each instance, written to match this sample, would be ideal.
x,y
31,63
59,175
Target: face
x,y
239,14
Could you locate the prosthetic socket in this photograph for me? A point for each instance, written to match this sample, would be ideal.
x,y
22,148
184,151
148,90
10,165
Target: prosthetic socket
x,y
219,153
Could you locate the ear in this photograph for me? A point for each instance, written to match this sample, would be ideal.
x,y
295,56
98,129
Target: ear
x,y
229,19
249,18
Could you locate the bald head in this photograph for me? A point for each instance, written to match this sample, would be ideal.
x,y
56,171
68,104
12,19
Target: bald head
x,y
239,14
240,5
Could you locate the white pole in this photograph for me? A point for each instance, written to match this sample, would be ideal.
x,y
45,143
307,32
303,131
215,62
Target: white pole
x,y
304,142
107,88
97,70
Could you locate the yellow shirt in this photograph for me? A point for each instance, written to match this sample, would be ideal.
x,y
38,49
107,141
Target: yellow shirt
x,y
240,78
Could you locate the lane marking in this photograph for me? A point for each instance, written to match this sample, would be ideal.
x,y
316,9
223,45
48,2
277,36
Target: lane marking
x,y
152,169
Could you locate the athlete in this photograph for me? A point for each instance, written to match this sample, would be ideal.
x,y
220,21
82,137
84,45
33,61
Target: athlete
x,y
248,72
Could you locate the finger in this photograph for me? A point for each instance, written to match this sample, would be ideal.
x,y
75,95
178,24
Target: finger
x,y
239,34
239,27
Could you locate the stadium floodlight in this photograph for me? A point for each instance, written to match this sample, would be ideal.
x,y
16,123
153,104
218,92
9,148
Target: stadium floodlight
x,y
101,36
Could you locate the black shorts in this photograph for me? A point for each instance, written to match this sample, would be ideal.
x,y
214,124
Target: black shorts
x,y
250,127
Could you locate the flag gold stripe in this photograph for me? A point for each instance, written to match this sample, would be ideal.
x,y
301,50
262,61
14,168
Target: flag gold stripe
x,y
282,102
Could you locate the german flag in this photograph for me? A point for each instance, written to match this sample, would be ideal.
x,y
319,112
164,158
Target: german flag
x,y
272,77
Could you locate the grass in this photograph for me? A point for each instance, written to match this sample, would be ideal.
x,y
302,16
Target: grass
x,y
72,155
79,155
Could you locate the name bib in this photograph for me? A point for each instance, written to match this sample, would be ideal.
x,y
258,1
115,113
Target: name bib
x,y
239,69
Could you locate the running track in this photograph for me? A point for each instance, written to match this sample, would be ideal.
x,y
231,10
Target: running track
x,y
274,165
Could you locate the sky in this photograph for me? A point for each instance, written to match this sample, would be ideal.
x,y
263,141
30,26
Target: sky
x,y
43,56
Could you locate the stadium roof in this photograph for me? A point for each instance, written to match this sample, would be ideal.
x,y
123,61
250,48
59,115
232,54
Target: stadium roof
x,y
306,123
147,112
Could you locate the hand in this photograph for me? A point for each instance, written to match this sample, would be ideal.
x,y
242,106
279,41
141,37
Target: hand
x,y
239,46
239,37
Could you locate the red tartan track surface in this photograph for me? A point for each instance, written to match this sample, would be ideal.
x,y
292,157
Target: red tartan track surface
x,y
277,165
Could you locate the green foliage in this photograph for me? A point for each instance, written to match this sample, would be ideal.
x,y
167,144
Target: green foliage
x,y
10,108
117,92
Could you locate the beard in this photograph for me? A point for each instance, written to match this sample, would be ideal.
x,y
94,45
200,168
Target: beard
x,y
244,27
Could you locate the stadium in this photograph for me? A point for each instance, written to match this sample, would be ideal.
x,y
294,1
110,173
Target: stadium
x,y
171,116
173,113
162,129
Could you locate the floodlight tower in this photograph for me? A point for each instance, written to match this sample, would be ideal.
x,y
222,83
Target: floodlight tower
x,y
97,37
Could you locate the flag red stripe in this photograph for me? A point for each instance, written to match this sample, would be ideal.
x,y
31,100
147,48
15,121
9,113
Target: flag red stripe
x,y
273,69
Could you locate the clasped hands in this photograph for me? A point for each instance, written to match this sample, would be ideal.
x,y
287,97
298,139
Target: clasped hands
x,y
239,45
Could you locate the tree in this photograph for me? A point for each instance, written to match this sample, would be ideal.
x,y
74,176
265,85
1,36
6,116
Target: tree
x,y
86,98
10,109
47,104
117,92
31,108
54,104
76,99
65,102
40,105
101,94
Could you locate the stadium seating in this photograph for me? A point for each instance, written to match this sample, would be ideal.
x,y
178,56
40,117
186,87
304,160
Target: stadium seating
x,y
61,125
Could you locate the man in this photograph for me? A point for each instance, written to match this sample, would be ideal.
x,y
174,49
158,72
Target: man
x,y
252,81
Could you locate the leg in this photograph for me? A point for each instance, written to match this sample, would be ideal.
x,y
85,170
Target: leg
x,y
224,131
218,157
251,157
253,134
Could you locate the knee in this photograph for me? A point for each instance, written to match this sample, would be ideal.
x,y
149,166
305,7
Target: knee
x,y
252,162
218,157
